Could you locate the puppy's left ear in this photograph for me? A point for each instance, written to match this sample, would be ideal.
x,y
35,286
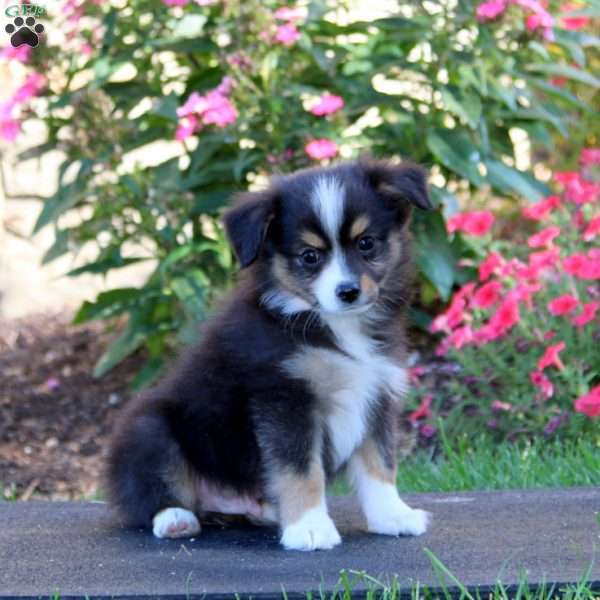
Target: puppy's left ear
x,y
402,183
246,224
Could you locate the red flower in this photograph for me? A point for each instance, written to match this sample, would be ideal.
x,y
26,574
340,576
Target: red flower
x,y
583,266
551,357
487,295
573,23
414,373
542,382
562,305
544,259
592,229
587,314
491,264
589,404
320,149
544,237
460,337
566,177
423,411
541,209
506,317
476,223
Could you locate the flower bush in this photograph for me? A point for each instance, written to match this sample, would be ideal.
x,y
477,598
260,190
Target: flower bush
x,y
525,332
235,91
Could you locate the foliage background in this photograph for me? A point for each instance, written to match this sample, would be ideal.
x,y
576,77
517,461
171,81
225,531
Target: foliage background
x,y
428,81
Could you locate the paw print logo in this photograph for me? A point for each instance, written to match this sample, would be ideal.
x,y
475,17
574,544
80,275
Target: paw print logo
x,y
24,32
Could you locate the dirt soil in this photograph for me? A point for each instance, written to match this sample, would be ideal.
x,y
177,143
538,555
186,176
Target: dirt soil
x,y
55,418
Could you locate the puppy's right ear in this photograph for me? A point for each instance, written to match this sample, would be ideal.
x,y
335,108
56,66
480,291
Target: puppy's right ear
x,y
246,224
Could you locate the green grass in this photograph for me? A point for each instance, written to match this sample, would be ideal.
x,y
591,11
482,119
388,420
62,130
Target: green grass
x,y
478,465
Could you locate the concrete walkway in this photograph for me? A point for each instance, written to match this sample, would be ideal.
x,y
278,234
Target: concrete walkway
x,y
75,549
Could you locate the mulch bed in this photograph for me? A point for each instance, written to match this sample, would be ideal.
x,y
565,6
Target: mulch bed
x,y
55,418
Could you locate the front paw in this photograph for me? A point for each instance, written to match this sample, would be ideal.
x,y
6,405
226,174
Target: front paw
x,y
400,521
175,523
312,532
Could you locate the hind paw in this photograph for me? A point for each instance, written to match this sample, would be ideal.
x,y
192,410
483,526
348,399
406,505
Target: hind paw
x,y
175,523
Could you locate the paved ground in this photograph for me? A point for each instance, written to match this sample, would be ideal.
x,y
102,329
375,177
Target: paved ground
x,y
75,549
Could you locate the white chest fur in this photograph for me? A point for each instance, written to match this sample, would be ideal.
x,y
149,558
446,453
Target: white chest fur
x,y
348,383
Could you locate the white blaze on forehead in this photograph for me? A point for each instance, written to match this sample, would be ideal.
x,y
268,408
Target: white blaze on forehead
x,y
327,198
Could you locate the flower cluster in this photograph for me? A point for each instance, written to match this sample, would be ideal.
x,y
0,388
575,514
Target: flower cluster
x,y
528,326
537,16
214,108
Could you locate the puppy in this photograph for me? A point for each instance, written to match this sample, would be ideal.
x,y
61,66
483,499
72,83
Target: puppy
x,y
300,375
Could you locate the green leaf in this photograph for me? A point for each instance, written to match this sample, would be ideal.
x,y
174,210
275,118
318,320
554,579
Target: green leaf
x,y
505,178
66,196
191,290
464,104
565,71
128,342
109,258
59,247
166,107
148,374
435,257
456,152
108,304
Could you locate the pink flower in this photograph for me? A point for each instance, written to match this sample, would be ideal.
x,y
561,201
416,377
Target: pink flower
x,y
454,314
320,149
290,13
587,314
487,295
592,229
524,291
590,156
327,105
287,34
187,127
33,84
542,382
490,265
573,23
226,85
562,305
498,405
9,126
423,411
414,373
579,191
460,337
427,431
551,357
490,10
21,53
541,209
475,223
220,111
544,237
589,404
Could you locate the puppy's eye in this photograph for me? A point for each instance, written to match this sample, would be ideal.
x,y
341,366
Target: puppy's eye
x,y
310,256
366,244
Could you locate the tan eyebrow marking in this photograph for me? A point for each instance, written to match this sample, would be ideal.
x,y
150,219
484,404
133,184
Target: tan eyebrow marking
x,y
359,226
312,239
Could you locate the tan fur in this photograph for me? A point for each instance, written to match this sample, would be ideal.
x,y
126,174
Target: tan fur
x,y
367,285
298,493
286,279
182,480
310,238
323,370
374,463
359,226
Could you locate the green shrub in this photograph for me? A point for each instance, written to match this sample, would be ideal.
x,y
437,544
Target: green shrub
x,y
235,83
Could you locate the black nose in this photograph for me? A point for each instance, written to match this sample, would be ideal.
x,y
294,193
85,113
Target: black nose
x,y
347,292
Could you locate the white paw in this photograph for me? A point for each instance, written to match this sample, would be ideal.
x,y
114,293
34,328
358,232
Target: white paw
x,y
314,531
175,523
400,521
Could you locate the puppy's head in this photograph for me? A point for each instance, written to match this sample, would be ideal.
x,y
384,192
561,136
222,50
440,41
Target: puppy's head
x,y
329,239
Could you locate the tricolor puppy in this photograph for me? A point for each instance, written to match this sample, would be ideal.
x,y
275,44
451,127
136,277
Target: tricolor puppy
x,y
301,374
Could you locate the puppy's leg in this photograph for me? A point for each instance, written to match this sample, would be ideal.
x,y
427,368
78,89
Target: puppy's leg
x,y
374,479
303,514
